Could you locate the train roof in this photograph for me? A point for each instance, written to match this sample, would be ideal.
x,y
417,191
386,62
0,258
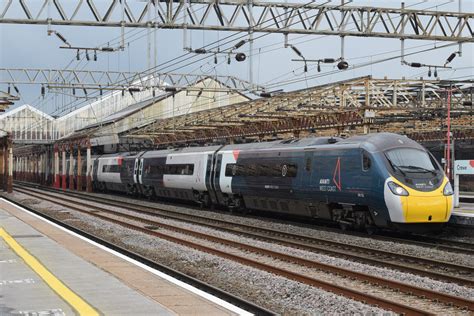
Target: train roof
x,y
381,141
121,154
371,142
286,143
180,150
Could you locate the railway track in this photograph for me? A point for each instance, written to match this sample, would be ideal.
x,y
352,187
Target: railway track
x,y
418,240
148,227
436,243
459,274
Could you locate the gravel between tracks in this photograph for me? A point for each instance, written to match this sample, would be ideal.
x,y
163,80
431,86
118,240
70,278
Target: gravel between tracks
x,y
273,292
409,278
413,250
424,282
436,308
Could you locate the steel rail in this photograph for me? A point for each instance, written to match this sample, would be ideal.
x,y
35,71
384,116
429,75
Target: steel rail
x,y
303,242
423,241
351,293
440,243
445,298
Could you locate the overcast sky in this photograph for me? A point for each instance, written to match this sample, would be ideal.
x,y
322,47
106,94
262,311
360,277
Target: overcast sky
x,y
29,46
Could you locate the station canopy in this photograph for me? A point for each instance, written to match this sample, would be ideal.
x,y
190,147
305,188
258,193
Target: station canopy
x,y
417,108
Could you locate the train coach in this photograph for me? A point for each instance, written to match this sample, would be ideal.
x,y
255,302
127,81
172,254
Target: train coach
x,y
365,182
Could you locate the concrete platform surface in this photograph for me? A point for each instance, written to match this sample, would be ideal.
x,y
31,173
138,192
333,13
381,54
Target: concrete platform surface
x,y
46,271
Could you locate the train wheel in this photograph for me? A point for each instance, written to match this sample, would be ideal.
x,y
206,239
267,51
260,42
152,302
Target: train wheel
x,y
371,230
343,226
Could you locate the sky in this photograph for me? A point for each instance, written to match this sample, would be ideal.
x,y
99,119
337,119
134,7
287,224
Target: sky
x,y
29,46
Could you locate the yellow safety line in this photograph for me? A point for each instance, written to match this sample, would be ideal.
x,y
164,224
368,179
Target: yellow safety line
x,y
62,290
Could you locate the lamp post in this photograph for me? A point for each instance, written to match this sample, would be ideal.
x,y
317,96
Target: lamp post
x,y
449,151
448,135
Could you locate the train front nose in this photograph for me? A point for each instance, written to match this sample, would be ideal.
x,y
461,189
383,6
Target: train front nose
x,y
408,205
425,207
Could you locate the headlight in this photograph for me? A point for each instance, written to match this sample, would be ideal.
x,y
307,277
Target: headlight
x,y
396,189
448,189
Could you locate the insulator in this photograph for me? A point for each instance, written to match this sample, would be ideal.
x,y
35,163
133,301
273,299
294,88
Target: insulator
x,y
87,55
228,60
200,51
329,60
429,72
100,90
415,65
9,89
42,90
85,91
95,55
450,58
239,44
16,89
78,55
436,73
240,57
296,50
123,92
171,89
62,38
73,91
215,59
319,67
305,68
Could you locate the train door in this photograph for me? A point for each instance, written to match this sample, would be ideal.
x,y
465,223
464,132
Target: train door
x,y
308,168
310,175
95,166
140,171
209,181
217,164
135,171
365,179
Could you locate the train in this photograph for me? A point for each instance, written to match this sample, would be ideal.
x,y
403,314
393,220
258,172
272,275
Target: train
x,y
367,182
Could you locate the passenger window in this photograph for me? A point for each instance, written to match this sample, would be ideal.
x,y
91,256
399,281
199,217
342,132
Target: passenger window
x,y
366,161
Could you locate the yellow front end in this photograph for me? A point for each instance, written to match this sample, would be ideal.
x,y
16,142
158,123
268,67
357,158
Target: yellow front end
x,y
426,207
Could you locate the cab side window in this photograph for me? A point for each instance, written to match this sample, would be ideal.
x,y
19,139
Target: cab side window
x,y
366,161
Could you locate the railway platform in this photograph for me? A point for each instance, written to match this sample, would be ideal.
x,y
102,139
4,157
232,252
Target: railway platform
x,y
463,215
466,197
46,270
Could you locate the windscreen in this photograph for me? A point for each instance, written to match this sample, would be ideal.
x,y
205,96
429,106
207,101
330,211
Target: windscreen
x,y
410,159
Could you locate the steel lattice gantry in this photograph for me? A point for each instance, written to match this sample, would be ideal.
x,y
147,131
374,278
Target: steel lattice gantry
x,y
115,80
255,16
347,107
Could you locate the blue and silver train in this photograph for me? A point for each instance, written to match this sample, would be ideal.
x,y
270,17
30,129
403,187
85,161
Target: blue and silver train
x,y
364,182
